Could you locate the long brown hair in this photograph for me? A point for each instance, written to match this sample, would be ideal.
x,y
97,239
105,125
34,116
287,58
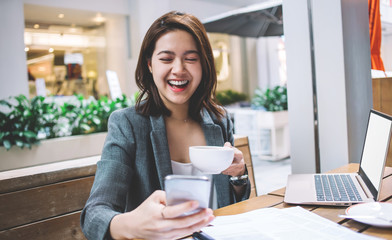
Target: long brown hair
x,y
149,101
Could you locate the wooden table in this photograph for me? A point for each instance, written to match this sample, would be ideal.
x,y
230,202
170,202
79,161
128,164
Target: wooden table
x,y
275,199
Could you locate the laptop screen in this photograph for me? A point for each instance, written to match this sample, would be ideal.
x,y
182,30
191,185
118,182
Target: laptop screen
x,y
376,147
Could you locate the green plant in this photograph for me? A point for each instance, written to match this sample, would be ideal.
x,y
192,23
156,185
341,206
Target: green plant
x,y
91,115
230,96
24,122
273,100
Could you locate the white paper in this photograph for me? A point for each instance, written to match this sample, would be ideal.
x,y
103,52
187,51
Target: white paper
x,y
273,223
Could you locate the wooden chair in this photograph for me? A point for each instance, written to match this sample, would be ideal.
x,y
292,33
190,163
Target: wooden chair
x,y
242,143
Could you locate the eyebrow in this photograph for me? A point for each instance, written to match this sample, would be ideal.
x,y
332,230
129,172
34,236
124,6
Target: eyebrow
x,y
172,53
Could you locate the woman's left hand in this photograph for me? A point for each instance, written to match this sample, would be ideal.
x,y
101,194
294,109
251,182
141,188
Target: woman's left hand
x,y
237,167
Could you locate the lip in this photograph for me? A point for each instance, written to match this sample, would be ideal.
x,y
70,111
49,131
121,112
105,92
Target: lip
x,y
176,89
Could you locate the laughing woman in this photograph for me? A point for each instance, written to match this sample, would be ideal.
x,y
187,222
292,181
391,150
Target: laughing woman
x,y
145,143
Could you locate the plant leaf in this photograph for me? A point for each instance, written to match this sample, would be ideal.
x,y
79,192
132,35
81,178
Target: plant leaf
x,y
7,144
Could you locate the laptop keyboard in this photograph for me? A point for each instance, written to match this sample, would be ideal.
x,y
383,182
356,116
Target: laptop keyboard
x,y
336,187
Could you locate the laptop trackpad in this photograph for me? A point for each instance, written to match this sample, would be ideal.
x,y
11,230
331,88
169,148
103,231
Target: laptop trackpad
x,y
300,189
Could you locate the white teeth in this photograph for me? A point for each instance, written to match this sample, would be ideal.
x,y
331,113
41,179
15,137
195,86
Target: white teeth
x,y
178,83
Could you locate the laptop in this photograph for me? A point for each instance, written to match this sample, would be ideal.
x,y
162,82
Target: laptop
x,y
347,188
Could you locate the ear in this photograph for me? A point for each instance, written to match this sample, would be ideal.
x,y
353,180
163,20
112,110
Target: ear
x,y
149,64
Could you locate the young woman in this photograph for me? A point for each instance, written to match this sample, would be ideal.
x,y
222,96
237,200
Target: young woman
x,y
145,143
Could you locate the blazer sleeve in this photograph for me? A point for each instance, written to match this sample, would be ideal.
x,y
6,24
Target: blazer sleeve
x,y
109,191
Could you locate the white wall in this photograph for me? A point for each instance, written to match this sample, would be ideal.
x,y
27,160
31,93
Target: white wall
x,y
331,85
114,6
386,42
386,13
268,63
13,66
386,50
201,9
299,85
117,48
238,74
344,87
343,82
359,93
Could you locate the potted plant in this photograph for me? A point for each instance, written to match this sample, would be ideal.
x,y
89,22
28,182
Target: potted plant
x,y
271,100
266,123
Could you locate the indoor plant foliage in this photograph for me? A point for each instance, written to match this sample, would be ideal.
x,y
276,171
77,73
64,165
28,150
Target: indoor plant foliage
x,y
24,122
272,99
227,97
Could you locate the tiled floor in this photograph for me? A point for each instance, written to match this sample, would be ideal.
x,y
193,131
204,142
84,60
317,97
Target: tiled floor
x,y
270,175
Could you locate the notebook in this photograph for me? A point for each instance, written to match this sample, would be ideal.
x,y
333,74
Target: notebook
x,y
363,186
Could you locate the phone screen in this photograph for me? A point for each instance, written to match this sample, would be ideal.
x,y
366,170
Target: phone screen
x,y
182,188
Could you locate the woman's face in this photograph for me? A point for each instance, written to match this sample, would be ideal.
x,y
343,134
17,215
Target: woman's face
x,y
176,68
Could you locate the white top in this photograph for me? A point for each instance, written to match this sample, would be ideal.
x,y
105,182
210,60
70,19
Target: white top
x,y
188,169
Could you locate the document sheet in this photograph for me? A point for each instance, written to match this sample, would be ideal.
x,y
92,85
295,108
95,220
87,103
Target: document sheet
x,y
273,223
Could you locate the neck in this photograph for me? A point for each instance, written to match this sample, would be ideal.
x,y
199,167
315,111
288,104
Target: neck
x,y
185,120
180,113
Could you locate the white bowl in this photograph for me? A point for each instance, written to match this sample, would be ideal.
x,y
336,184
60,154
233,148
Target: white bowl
x,y
211,159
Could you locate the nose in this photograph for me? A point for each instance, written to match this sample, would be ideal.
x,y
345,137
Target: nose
x,y
178,66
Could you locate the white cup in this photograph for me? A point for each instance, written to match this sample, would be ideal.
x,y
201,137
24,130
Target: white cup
x,y
211,159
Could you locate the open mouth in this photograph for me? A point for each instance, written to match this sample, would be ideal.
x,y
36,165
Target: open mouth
x,y
178,84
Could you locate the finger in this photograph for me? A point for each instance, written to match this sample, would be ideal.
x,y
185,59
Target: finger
x,y
237,153
179,209
178,233
190,220
235,169
199,219
238,156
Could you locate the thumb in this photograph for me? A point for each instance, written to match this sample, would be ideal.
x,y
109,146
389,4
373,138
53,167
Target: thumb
x,y
227,144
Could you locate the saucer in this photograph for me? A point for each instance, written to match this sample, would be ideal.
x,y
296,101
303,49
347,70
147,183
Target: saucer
x,y
381,209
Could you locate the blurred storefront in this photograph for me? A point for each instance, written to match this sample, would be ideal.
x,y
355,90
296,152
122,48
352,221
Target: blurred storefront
x,y
65,54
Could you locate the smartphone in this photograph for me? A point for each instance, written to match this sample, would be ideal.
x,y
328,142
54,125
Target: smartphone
x,y
182,188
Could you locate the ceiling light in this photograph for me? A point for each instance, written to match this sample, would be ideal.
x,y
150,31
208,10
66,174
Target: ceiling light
x,y
27,49
36,26
99,18
50,50
61,15
73,29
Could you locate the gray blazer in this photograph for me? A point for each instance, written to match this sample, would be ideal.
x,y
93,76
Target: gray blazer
x,y
135,160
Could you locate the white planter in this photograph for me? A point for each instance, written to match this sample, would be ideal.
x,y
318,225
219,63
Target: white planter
x,y
268,132
52,150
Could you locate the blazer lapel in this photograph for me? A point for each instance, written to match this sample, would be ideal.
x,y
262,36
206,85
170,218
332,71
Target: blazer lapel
x,y
160,147
212,131
214,137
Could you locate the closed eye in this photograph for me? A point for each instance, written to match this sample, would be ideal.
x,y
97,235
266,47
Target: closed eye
x,y
166,59
191,59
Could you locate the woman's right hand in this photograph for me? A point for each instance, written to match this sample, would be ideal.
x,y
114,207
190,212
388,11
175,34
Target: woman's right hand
x,y
154,220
